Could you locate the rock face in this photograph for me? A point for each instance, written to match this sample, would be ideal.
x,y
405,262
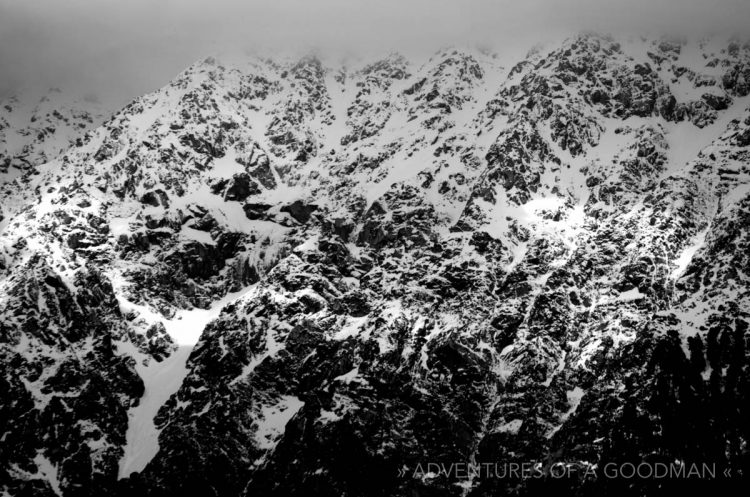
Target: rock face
x,y
295,277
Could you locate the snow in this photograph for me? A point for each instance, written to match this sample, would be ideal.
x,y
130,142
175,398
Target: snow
x,y
273,347
119,226
197,236
574,397
519,252
504,367
187,325
400,169
686,140
161,379
35,108
629,295
47,471
273,419
561,356
687,254
511,426
309,245
35,389
340,96
226,166
611,297
348,377
352,327
328,417
408,132
693,314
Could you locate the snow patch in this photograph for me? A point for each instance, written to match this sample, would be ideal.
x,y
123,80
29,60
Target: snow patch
x,y
351,328
349,377
273,419
47,471
687,254
161,379
191,234
511,426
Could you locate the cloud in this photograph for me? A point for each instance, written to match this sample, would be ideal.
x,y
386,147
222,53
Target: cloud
x,y
119,49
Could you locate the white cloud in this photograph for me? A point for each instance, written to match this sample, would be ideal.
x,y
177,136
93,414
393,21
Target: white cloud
x,y
123,48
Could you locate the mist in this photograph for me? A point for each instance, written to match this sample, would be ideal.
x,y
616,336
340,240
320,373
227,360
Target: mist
x,y
114,50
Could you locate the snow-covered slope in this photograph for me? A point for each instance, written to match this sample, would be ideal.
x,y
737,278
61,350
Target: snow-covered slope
x,y
298,275
37,126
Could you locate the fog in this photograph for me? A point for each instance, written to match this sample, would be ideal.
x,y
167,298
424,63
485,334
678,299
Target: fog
x,y
119,49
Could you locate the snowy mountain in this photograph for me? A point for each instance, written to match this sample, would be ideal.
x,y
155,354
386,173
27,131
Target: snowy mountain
x,y
305,276
37,126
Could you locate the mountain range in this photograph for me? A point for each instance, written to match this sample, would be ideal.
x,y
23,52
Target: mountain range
x,y
308,276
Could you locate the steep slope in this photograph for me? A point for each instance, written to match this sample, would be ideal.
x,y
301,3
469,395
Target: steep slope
x,y
396,262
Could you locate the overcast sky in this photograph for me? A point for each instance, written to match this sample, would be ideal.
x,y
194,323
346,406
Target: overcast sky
x,y
120,49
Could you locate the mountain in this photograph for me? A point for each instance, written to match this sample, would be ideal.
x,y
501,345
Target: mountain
x,y
311,276
37,126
